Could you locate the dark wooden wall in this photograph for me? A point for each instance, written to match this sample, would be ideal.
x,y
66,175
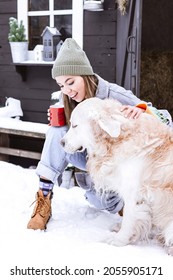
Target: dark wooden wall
x,y
100,40
34,93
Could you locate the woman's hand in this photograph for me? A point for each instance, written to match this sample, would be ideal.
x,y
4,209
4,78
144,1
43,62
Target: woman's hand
x,y
131,112
48,115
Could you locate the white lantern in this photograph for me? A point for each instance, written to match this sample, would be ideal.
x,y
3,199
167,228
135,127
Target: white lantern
x,y
38,53
91,5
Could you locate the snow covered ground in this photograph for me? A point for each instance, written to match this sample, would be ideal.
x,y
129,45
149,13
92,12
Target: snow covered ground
x,y
73,239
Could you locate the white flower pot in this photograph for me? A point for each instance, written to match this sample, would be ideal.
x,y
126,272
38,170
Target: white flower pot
x,y
19,51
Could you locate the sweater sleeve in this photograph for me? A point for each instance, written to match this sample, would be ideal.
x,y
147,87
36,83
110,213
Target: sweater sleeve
x,y
125,97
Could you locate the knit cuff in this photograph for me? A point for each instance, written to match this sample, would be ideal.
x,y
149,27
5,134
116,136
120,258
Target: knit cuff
x,y
142,106
163,117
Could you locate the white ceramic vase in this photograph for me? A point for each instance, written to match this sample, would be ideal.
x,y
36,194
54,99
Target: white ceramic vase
x,y
19,51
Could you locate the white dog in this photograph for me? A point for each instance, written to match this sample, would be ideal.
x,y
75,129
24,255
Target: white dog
x,y
133,157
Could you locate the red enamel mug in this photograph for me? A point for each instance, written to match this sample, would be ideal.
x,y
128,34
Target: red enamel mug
x,y
57,115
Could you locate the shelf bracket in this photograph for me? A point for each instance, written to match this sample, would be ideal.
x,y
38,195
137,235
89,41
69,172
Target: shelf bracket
x,y
22,70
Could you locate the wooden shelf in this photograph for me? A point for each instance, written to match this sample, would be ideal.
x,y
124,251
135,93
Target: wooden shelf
x,y
21,67
35,63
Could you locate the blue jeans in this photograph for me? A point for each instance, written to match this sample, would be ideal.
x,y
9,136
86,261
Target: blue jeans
x,y
54,160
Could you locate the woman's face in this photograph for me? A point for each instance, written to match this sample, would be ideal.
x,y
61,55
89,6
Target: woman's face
x,y
73,86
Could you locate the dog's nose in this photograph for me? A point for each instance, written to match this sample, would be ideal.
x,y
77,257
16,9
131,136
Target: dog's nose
x,y
62,142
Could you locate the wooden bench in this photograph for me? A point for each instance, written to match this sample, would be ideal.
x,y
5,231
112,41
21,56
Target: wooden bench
x,y
24,129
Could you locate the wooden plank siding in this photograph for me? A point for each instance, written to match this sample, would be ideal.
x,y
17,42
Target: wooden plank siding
x,y
100,41
34,93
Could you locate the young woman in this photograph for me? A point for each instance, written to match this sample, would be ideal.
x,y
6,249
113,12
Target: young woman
x,y
77,81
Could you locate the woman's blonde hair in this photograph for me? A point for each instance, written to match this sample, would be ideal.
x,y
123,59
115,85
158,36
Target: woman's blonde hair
x,y
91,83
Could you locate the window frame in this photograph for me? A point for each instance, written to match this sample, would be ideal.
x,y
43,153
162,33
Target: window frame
x,y
76,12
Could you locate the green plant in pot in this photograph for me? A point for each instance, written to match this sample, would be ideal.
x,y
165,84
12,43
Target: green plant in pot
x,y
17,40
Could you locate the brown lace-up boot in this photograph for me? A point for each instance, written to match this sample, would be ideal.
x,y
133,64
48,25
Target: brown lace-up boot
x,y
42,211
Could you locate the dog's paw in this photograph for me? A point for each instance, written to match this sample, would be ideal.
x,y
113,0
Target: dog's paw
x,y
115,228
116,240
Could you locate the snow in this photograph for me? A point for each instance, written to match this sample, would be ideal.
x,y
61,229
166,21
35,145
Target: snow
x,y
17,124
75,236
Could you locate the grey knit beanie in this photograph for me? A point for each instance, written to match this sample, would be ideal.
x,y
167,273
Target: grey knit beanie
x,y
71,60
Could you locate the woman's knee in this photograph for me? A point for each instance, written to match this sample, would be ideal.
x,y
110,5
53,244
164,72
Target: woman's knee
x,y
56,132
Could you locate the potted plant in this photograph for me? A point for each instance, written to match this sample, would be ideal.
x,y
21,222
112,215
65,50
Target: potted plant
x,y
17,40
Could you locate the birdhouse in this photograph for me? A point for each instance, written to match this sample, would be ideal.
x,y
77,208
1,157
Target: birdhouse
x,y
51,38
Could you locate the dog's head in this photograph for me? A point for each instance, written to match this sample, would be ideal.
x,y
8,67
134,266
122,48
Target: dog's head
x,y
104,113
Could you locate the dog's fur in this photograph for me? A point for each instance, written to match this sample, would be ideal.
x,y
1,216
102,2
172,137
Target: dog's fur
x,y
133,157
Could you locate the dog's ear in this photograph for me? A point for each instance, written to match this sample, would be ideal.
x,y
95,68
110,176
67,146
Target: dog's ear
x,y
111,126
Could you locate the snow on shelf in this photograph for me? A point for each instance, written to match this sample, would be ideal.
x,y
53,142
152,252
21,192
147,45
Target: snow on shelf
x,y
23,125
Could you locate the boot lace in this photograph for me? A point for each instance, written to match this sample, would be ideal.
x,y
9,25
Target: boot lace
x,y
42,207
